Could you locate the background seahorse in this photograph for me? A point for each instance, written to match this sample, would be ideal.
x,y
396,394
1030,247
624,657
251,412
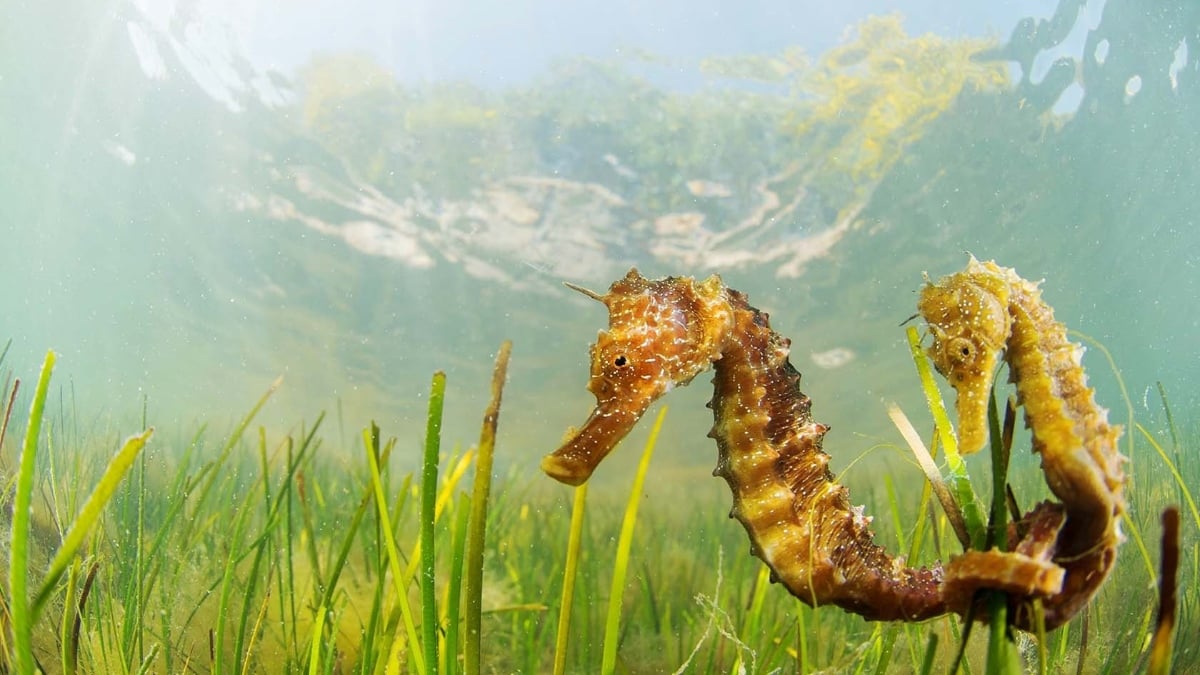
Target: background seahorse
x,y
973,315
663,333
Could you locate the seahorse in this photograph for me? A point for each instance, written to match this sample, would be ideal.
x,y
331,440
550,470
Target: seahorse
x,y
662,334
973,315
801,524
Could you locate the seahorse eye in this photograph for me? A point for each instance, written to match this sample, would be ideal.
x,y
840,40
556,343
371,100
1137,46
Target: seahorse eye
x,y
620,361
962,351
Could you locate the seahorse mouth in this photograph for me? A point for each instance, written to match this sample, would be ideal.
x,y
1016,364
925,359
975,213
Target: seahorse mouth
x,y
574,462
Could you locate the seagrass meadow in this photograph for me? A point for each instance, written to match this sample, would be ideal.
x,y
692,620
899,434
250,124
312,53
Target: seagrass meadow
x,y
242,552
296,302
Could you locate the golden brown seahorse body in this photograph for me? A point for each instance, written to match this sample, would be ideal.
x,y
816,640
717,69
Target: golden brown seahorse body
x,y
973,315
663,333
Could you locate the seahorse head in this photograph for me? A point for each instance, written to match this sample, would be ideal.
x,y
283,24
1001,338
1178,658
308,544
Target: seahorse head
x,y
661,333
967,313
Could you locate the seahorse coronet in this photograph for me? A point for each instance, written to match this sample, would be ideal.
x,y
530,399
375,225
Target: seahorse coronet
x,y
662,333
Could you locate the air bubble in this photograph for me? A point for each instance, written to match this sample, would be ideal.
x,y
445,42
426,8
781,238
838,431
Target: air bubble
x,y
1132,86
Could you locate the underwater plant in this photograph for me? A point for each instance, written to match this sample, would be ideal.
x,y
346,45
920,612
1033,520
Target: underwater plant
x,y
875,96
22,612
295,573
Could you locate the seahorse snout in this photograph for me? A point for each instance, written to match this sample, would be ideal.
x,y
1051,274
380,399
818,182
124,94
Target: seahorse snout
x,y
587,446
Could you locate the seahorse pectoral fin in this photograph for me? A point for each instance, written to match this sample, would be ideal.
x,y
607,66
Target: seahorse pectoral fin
x,y
574,462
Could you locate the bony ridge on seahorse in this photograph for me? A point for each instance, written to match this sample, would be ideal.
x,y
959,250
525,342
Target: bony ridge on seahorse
x,y
663,333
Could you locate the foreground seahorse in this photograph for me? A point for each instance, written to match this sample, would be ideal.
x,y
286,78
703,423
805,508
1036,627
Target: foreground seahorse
x,y
973,315
662,333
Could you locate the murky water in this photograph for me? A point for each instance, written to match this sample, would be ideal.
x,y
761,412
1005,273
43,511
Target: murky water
x,y
189,208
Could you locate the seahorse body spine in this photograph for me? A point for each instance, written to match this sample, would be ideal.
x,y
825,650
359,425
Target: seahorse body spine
x,y
800,522
1077,445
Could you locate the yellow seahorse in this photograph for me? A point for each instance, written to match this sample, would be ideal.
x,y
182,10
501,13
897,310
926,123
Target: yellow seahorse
x,y
973,315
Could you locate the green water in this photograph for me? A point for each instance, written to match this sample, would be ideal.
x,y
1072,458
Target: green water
x,y
197,198
183,225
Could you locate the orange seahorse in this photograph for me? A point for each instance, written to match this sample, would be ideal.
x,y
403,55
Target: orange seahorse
x,y
662,333
1070,547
